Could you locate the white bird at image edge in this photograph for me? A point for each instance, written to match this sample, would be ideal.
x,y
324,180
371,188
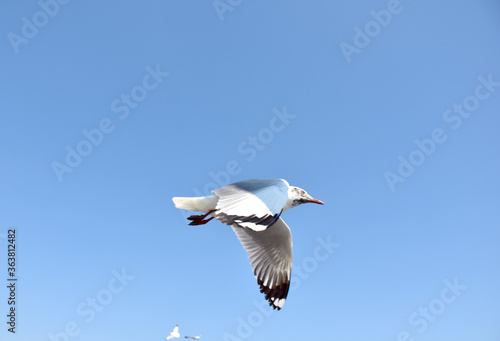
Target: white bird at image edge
x,y
253,209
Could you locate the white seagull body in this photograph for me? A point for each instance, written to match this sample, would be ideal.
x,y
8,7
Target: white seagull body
x,y
193,337
174,333
253,209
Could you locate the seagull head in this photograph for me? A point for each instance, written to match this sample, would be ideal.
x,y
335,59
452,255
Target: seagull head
x,y
297,196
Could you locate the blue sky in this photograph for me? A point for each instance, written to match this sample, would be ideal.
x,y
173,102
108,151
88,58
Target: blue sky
x,y
385,110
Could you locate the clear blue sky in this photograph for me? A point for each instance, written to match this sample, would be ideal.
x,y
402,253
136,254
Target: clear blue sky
x,y
387,111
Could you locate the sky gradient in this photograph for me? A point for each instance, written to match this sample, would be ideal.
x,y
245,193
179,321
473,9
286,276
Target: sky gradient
x,y
388,111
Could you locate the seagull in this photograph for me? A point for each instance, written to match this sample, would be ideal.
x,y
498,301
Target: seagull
x,y
174,333
193,337
253,209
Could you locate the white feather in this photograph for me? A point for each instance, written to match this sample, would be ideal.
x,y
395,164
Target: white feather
x,y
251,200
270,255
200,204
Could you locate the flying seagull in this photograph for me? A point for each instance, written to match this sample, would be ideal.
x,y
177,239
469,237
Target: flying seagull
x,y
174,333
253,209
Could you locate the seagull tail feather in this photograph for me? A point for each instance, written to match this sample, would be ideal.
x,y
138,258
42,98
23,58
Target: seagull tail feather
x,y
200,204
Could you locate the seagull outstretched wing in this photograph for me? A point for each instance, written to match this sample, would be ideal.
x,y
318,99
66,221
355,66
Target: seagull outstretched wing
x,y
255,204
270,254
